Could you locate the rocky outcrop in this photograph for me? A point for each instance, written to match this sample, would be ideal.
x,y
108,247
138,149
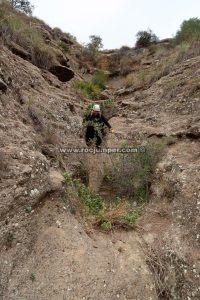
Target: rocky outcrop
x,y
63,73
18,50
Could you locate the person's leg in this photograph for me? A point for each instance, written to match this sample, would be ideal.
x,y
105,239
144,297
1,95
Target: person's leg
x,y
98,142
89,136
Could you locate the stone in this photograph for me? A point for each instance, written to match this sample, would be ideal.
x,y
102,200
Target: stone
x,y
55,180
63,73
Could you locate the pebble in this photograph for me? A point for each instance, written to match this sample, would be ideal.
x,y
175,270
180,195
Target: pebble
x,y
58,223
34,192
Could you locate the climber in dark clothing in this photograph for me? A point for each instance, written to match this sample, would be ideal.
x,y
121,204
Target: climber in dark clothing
x,y
95,127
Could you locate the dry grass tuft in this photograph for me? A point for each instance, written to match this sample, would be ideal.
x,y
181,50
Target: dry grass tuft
x,y
168,270
17,28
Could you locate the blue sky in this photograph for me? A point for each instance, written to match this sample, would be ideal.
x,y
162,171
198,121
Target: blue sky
x,y
116,21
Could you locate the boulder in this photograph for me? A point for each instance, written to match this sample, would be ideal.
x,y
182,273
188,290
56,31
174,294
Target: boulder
x,y
63,73
55,180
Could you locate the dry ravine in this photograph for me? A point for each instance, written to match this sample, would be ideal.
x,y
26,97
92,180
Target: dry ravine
x,y
48,248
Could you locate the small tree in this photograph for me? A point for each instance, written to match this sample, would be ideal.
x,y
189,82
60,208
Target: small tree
x,y
145,38
189,31
95,43
22,5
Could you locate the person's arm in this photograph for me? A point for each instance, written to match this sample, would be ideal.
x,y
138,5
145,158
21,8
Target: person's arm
x,y
105,121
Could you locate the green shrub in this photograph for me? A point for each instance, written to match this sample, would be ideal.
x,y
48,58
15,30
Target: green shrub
x,y
64,47
16,27
145,38
108,108
93,203
92,88
105,214
70,36
133,216
33,277
87,111
131,172
90,52
189,31
95,43
99,79
106,225
88,88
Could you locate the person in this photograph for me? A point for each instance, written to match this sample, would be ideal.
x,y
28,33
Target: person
x,y
96,125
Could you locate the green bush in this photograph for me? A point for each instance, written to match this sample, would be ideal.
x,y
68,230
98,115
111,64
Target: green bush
x,y
33,277
16,27
64,47
108,108
106,225
93,203
145,38
133,216
16,24
189,31
99,79
95,43
106,214
92,88
131,172
88,88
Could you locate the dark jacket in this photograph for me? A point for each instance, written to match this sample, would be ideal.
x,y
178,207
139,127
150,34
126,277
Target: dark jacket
x,y
97,119
95,127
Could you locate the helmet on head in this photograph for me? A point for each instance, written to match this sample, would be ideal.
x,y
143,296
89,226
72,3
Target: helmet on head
x,y
96,108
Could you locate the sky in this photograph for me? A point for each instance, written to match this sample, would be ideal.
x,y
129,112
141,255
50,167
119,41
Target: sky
x,y
116,21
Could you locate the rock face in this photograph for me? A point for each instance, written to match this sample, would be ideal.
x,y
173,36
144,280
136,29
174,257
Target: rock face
x,y
18,50
63,73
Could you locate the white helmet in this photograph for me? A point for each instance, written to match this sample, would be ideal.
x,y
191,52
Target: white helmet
x,y
96,107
